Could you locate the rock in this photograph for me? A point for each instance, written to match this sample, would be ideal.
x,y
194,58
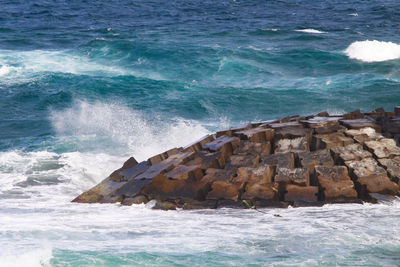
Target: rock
x,y
225,190
257,191
350,152
236,161
310,159
335,183
262,174
356,114
164,205
301,193
393,167
196,205
247,148
383,148
360,123
198,145
292,145
228,203
192,173
156,159
293,133
323,125
118,175
129,201
205,160
364,134
326,141
280,160
292,124
259,134
371,178
298,176
224,144
213,175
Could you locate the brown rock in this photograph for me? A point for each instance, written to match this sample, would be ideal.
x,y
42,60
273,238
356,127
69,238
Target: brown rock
x,y
364,134
320,157
383,148
192,173
350,152
224,144
262,174
293,133
371,177
280,160
335,183
259,134
360,123
196,205
393,167
118,175
236,161
225,190
129,201
258,191
292,145
292,124
326,141
247,148
198,145
356,114
213,175
301,193
299,176
323,125
206,160
164,205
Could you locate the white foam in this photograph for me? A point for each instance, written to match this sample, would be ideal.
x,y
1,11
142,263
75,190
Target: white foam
x,y
32,258
373,51
353,14
142,136
310,31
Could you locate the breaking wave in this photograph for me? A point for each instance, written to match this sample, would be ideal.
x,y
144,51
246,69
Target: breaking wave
x,y
373,51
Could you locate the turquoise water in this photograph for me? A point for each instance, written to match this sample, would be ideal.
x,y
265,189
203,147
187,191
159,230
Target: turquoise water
x,y
86,84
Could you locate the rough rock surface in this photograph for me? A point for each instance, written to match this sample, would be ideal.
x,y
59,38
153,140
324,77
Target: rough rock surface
x,y
299,161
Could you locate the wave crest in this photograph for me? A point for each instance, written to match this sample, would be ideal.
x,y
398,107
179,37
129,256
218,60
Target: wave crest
x,y
373,51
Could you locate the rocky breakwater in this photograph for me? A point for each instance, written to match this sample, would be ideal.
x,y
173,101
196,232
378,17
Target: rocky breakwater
x,y
298,160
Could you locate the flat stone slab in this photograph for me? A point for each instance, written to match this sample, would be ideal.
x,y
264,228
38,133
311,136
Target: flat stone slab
x,y
236,161
292,145
371,177
384,148
326,141
320,157
259,134
350,152
280,160
335,183
323,125
193,173
298,176
360,123
285,124
205,160
247,148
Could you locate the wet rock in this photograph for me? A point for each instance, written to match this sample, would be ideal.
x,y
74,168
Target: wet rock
x,y
292,145
247,148
350,152
298,176
323,125
326,141
285,160
164,205
205,160
228,203
301,193
292,124
360,123
199,144
293,133
393,167
224,144
257,191
383,148
225,190
236,161
213,175
371,178
196,205
118,175
262,174
335,183
259,134
129,201
192,173
320,157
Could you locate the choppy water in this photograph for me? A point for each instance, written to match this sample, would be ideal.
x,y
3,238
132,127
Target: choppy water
x,y
86,84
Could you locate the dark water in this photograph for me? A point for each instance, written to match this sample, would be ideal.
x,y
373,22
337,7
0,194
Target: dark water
x,y
84,84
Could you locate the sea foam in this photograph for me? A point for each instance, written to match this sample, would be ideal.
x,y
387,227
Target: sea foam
x,y
310,31
373,51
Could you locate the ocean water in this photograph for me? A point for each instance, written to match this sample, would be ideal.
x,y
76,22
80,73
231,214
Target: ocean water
x,y
86,84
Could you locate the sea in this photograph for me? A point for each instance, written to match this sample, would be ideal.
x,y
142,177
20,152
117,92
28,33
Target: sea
x,y
84,85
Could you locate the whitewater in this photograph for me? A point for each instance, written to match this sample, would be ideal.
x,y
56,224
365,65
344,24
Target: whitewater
x,y
84,86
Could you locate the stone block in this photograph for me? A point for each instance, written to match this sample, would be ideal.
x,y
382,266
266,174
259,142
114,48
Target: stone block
x,y
225,190
371,177
129,201
350,152
383,148
293,133
262,174
280,160
364,134
392,166
199,144
298,176
292,145
356,114
224,144
192,173
335,183
213,175
323,125
310,159
326,141
247,148
236,161
301,193
205,160
120,174
360,123
291,124
256,191
196,205
259,134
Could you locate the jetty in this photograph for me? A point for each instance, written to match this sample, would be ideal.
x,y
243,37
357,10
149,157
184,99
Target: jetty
x,y
298,161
